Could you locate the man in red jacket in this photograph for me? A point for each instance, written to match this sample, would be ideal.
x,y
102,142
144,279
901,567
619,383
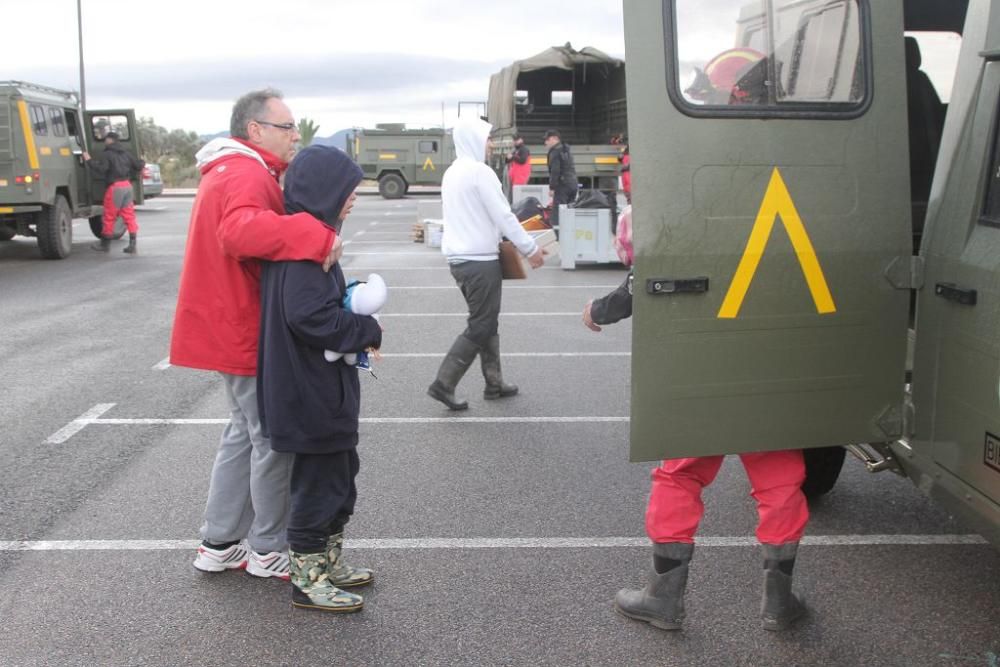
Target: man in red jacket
x,y
239,218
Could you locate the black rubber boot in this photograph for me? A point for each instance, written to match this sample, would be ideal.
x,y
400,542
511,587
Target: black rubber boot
x,y
661,602
104,245
130,248
495,386
461,355
780,607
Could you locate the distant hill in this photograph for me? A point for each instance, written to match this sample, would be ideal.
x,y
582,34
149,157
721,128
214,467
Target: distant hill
x,y
338,139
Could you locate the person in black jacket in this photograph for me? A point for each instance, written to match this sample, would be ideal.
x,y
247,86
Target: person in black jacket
x,y
116,167
563,185
309,406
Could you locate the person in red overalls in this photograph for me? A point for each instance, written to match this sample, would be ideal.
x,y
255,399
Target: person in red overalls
x,y
675,508
519,163
626,161
116,167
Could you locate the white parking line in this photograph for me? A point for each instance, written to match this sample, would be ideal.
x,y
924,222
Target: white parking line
x,y
383,243
567,314
75,426
93,417
509,543
359,233
163,365
505,287
505,355
442,267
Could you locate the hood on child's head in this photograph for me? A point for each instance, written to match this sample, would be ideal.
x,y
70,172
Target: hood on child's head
x,y
318,181
470,135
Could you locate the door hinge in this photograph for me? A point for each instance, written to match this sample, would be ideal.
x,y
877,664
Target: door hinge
x,y
905,272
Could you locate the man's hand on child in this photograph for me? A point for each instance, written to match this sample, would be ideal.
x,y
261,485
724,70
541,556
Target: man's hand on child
x,y
336,250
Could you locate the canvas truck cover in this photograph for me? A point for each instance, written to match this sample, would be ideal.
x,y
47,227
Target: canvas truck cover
x,y
503,84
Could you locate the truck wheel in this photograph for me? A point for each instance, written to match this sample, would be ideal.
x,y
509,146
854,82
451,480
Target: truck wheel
x,y
822,470
7,233
391,186
97,225
54,226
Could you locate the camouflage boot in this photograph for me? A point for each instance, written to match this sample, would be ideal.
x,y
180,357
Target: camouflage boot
x,y
311,586
342,574
780,607
661,602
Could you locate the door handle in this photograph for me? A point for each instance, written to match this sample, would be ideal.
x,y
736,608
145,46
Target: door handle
x,y
670,286
952,292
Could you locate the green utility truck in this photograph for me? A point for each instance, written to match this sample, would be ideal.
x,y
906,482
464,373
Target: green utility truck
x,y
43,181
580,93
398,158
786,153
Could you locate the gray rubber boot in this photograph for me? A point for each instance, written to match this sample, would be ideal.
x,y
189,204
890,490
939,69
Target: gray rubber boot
x,y
661,602
780,607
103,245
461,355
130,248
495,386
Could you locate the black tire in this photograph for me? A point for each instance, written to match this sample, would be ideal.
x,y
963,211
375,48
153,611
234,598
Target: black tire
x,y
7,233
823,467
391,186
54,226
97,225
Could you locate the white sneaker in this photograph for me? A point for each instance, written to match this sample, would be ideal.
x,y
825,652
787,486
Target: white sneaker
x,y
273,564
219,560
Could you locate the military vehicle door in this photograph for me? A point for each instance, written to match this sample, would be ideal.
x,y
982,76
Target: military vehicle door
x,y
429,159
771,224
98,124
956,370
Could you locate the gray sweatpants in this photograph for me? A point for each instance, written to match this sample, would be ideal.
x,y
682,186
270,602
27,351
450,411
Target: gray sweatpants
x,y
248,493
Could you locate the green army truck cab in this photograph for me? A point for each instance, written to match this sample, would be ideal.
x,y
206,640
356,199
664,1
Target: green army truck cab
x,y
786,153
44,183
397,157
580,93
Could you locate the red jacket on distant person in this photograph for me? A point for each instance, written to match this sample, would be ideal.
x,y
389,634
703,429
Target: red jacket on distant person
x,y
520,166
238,217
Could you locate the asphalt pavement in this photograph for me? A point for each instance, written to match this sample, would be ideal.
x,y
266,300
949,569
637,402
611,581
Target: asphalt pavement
x,y
498,536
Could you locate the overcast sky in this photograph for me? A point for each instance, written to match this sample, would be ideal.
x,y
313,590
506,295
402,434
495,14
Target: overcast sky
x,y
342,63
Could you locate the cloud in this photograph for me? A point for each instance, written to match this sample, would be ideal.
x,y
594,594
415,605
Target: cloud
x,y
334,76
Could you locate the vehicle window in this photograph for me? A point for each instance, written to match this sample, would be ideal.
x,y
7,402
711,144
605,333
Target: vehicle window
x,y
521,97
38,120
781,55
428,146
562,98
991,206
101,125
71,126
58,121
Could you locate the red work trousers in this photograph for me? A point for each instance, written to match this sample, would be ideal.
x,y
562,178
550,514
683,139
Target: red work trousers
x,y
675,508
118,201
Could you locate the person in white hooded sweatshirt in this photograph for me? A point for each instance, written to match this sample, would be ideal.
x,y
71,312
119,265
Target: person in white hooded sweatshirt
x,y
476,217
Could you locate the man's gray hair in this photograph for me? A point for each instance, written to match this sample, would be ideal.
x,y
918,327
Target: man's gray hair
x,y
250,107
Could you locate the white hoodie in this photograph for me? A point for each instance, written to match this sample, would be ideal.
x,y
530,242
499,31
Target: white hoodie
x,y
476,212
222,147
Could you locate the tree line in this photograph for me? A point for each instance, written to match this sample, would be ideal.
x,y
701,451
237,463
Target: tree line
x,y
174,150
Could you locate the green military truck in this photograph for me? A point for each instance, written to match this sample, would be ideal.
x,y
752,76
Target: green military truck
x,y
580,93
398,158
43,181
786,153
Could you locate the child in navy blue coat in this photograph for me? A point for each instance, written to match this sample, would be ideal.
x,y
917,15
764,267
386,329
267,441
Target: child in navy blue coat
x,y
309,406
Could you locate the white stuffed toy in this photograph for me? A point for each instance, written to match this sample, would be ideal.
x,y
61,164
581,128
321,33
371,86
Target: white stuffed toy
x,y
362,298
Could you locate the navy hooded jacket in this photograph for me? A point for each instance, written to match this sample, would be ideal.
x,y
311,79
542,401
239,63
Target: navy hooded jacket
x,y
307,404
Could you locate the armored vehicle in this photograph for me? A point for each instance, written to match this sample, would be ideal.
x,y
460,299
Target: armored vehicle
x,y
580,93
43,181
398,158
786,154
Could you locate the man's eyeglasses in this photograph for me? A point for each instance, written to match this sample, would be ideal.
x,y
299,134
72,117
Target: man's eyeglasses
x,y
287,127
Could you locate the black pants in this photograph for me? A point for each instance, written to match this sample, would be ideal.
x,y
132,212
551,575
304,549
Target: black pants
x,y
480,283
560,197
322,498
